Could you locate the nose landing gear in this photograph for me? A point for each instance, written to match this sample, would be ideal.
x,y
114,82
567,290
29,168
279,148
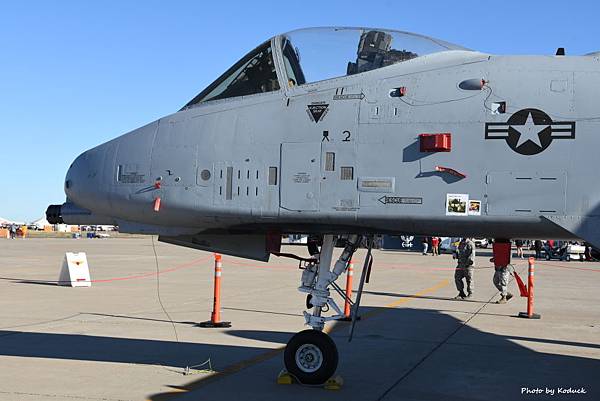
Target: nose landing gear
x,y
311,356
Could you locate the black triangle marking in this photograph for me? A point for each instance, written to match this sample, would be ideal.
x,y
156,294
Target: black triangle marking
x,y
317,111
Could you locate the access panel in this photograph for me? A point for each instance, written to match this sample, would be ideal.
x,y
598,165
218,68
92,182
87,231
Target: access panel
x,y
526,193
300,176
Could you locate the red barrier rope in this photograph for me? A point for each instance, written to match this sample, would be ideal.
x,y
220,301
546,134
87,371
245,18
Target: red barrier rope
x,y
178,267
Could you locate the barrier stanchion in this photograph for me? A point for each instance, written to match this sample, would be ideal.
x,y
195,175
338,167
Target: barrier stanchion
x,y
347,305
349,275
215,317
530,298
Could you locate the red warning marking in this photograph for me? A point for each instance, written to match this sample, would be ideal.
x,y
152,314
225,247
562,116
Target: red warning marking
x,y
450,171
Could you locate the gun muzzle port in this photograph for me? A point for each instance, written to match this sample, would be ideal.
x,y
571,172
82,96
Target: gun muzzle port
x,y
54,214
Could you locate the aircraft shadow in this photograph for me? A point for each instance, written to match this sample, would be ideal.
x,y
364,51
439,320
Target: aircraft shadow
x,y
405,348
113,349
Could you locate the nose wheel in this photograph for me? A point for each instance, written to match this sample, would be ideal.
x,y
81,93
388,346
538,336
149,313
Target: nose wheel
x,y
311,356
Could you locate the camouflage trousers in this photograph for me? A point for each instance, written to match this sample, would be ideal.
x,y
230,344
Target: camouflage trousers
x,y
467,274
501,276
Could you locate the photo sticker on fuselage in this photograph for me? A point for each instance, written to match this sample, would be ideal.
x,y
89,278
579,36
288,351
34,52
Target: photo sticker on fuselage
x,y
474,208
457,204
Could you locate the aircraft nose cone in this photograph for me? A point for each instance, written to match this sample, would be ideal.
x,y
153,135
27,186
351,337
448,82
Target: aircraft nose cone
x,y
76,176
82,183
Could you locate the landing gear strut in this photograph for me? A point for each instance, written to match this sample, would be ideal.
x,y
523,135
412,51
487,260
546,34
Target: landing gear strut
x,y
311,355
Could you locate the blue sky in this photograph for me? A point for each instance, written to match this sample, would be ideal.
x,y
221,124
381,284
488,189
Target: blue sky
x,y
74,74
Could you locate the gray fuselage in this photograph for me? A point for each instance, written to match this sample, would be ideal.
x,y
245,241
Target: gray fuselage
x,y
261,163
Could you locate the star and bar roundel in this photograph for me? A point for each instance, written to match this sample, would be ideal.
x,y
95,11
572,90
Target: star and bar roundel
x,y
530,131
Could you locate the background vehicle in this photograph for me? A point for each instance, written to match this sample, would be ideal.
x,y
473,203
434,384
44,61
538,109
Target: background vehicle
x,y
449,244
565,251
297,239
575,252
481,242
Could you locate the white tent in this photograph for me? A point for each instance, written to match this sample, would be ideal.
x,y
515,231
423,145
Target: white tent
x,y
40,223
4,221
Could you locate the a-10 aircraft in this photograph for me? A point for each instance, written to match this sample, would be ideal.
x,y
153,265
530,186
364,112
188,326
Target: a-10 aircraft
x,y
346,132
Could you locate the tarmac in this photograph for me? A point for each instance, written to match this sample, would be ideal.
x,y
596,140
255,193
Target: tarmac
x,y
113,341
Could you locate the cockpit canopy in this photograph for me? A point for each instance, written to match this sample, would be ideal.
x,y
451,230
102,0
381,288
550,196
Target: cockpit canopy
x,y
317,54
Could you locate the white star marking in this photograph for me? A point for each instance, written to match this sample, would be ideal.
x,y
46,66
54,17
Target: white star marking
x,y
529,131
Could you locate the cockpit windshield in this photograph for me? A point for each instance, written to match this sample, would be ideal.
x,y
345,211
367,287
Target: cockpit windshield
x,y
317,54
254,73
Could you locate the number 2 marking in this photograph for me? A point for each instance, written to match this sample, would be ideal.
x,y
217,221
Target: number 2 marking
x,y
347,138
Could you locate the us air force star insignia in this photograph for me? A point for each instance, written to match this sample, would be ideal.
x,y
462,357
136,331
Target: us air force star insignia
x,y
530,131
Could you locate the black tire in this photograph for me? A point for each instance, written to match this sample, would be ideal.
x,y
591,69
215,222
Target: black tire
x,y
568,258
547,256
311,344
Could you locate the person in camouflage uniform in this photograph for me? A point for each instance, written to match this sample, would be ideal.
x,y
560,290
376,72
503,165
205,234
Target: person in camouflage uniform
x,y
465,253
501,276
501,269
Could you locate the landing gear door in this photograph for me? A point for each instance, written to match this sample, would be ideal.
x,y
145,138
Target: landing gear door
x,y
300,176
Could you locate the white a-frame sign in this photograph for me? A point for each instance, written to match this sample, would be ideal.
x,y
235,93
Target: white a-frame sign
x,y
75,271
